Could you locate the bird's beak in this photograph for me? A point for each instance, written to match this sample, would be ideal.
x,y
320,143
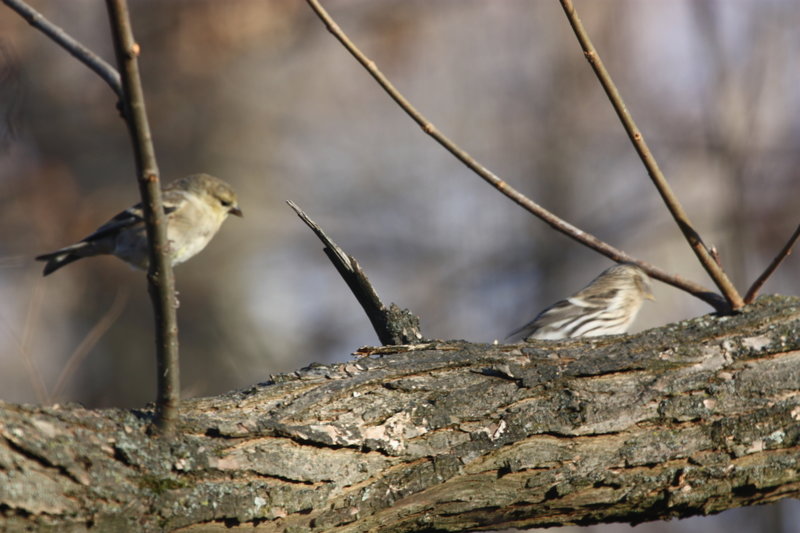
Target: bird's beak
x,y
236,211
650,296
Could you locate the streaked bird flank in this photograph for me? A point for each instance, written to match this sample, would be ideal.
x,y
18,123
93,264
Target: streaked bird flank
x,y
195,206
606,306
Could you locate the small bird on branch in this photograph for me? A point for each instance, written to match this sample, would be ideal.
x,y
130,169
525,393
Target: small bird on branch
x,y
606,306
195,207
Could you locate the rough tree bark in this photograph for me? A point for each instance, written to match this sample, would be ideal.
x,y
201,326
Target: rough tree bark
x,y
692,418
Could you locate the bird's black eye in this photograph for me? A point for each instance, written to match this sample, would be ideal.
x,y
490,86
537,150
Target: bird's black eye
x,y
226,203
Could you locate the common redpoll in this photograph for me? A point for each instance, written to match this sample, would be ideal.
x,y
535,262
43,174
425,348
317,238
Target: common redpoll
x,y
606,306
196,206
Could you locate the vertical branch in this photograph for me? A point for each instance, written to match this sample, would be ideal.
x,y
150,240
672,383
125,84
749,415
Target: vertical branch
x,y
681,218
161,281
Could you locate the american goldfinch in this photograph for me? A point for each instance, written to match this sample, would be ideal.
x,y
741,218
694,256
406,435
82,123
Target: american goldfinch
x,y
607,306
195,206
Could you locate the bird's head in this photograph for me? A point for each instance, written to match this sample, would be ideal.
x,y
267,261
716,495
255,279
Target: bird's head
x,y
216,191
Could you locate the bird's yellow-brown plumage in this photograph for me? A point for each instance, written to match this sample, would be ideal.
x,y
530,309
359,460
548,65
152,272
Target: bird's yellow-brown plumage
x,y
606,306
195,207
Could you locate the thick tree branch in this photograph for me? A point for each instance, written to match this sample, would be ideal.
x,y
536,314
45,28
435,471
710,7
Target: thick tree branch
x,y
662,185
692,418
573,232
161,280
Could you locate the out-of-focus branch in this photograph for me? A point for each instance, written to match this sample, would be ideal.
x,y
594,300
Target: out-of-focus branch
x,y
161,281
681,218
783,254
68,43
393,325
89,341
520,199
23,343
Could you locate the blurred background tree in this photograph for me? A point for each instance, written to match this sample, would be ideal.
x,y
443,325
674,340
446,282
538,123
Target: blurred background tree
x,y
261,95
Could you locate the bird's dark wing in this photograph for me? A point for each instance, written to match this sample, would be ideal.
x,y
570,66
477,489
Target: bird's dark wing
x,y
124,219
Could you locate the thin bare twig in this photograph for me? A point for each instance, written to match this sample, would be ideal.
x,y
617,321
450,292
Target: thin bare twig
x,y
34,376
89,341
33,316
68,43
681,218
161,280
713,299
393,325
783,254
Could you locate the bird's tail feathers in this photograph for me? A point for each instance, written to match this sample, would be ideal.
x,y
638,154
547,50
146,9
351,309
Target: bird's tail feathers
x,y
63,257
520,332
